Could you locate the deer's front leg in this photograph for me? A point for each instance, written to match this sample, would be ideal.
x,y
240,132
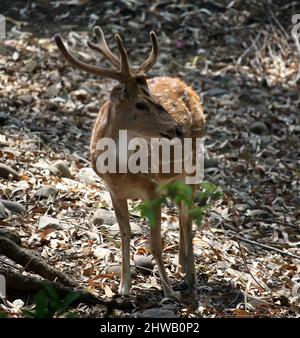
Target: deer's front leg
x,y
156,246
121,211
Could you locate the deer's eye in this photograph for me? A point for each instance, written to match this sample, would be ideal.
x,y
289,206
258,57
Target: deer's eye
x,y
141,106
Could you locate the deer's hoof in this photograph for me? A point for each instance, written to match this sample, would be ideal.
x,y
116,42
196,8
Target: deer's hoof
x,y
123,290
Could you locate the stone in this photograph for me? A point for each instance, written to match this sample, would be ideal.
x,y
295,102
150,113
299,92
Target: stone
x,y
210,163
11,236
46,191
46,221
53,90
87,176
103,216
101,253
14,207
143,264
3,213
200,197
3,117
6,172
135,229
216,92
31,66
117,269
25,98
259,128
61,169
155,313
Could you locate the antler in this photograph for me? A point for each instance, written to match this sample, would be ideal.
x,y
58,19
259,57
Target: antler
x,y
123,71
103,48
84,66
149,63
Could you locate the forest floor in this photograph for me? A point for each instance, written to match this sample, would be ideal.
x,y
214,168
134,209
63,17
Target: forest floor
x,y
241,60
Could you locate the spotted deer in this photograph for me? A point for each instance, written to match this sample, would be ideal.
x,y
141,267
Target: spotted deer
x,y
160,107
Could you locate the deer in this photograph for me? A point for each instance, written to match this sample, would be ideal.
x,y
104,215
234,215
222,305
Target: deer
x,y
163,107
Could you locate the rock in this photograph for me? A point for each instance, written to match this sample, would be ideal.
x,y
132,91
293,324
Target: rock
x,y
53,90
61,169
170,225
114,229
103,216
101,253
93,236
210,163
46,221
143,264
116,269
14,207
92,107
266,139
155,313
3,213
46,191
11,236
270,161
216,92
259,128
25,98
249,97
6,172
31,66
242,207
135,229
81,94
3,117
240,167
87,176
200,197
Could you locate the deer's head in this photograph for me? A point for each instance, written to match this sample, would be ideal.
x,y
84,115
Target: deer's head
x,y
133,106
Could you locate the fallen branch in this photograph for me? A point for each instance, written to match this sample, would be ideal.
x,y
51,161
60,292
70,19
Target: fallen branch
x,y
31,262
18,282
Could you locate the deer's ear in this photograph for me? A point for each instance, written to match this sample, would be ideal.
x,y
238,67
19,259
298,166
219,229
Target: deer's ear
x,y
118,94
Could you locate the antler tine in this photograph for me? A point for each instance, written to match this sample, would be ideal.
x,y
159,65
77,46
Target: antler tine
x,y
84,66
125,69
103,48
149,63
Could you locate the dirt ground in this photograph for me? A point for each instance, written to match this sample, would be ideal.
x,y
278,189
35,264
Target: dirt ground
x,y
240,57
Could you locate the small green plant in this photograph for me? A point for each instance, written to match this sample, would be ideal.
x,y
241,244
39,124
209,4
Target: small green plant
x,y
3,315
180,192
48,303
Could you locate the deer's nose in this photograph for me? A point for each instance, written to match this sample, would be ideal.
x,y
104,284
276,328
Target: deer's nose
x,y
173,132
179,132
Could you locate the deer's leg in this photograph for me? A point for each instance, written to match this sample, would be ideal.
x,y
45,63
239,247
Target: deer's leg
x,y
156,246
181,251
188,257
121,211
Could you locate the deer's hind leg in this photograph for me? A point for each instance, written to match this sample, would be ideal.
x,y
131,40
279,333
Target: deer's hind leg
x,y
156,246
186,251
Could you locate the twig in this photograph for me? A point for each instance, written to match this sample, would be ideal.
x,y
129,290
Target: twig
x,y
246,266
253,44
268,247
